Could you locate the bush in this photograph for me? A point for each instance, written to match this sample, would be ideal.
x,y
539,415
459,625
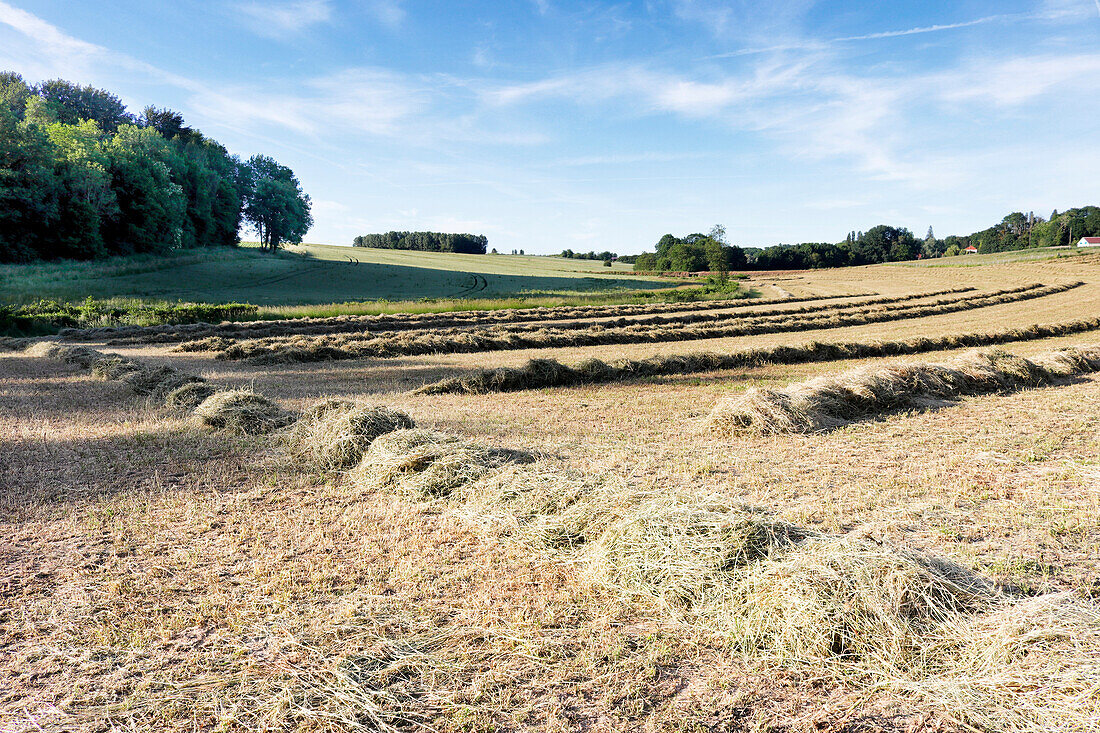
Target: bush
x,y
50,316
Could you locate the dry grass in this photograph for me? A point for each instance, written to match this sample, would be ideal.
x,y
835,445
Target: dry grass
x,y
334,434
188,396
228,332
426,464
539,373
829,402
242,411
158,577
328,348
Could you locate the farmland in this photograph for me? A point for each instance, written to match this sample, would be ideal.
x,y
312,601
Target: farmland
x,y
314,275
634,543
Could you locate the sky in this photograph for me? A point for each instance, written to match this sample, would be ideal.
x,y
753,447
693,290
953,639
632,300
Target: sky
x,y
547,125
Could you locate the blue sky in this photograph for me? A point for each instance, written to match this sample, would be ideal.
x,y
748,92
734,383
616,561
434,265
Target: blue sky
x,y
547,124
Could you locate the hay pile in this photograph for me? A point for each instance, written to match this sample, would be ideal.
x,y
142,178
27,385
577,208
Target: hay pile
x,y
188,396
334,434
427,464
332,347
80,356
156,381
872,615
540,373
242,411
828,402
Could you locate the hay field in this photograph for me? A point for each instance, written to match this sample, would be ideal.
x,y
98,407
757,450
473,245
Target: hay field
x,y
592,557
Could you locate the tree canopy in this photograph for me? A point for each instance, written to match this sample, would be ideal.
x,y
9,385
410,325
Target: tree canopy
x,y
426,242
80,177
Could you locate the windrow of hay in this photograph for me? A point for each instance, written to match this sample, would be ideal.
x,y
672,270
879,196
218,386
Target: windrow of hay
x,y
144,379
334,434
426,464
242,411
322,345
305,349
188,396
403,321
827,402
539,373
716,311
870,614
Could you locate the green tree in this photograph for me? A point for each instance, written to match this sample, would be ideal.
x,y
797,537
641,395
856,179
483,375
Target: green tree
x,y
275,204
74,103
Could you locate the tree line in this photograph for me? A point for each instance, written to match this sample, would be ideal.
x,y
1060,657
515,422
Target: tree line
x,y
425,242
883,243
605,256
82,178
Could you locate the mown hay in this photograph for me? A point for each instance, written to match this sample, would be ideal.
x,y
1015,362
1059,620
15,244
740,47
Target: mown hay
x,y
849,600
242,411
188,396
80,356
546,508
426,464
328,347
157,381
684,550
827,402
113,367
334,434
1030,665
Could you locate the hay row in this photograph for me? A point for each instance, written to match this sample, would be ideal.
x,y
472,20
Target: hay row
x,y
402,321
333,434
218,343
539,373
162,383
307,349
758,321
828,402
876,616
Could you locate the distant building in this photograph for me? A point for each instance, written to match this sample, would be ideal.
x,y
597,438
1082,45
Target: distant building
x,y
1088,242
971,250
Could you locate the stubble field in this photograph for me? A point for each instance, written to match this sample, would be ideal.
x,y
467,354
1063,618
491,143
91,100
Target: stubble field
x,y
603,556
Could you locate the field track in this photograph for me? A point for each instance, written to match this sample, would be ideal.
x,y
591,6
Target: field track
x,y
327,348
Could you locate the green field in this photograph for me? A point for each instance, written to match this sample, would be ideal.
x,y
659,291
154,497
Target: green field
x,y
998,258
313,274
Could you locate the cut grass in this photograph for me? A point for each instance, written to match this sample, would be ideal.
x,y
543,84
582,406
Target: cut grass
x,y
334,434
541,373
829,402
309,349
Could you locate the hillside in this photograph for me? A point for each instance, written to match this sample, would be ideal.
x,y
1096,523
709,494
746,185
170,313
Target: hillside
x,y
313,274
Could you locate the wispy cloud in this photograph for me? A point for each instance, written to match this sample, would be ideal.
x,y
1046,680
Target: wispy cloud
x,y
818,45
387,12
286,19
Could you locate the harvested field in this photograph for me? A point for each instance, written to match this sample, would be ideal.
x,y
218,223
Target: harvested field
x,y
539,373
755,316
305,349
413,321
592,558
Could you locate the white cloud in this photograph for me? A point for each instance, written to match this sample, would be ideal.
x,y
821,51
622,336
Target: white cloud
x,y
284,20
387,12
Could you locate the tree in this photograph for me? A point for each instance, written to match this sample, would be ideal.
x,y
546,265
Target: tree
x,y
168,123
275,204
73,103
